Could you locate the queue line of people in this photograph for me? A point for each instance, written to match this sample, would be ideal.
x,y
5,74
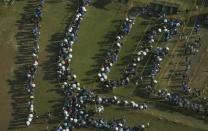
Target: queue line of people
x,y
33,68
112,54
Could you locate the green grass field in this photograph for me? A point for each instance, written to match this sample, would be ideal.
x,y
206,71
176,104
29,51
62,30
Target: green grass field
x,y
96,35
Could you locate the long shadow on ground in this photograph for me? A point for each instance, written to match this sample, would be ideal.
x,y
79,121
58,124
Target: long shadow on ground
x,y
99,57
50,65
23,60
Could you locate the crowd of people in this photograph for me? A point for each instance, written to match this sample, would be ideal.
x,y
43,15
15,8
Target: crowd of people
x,y
75,111
169,29
112,54
78,99
166,27
33,68
173,98
191,48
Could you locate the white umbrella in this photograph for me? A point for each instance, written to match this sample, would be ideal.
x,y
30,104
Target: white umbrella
x,y
63,68
139,53
111,64
30,119
33,85
32,97
27,123
75,120
120,124
30,115
118,37
70,29
125,102
59,64
118,44
71,42
144,53
159,30
74,76
34,55
70,49
99,99
138,59
166,30
70,56
141,107
147,50
102,79
102,69
155,81
65,40
105,76
178,24
31,109
74,85
99,75
143,126
84,9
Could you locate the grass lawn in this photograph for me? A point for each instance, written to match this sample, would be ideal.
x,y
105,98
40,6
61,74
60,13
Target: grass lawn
x,y
96,36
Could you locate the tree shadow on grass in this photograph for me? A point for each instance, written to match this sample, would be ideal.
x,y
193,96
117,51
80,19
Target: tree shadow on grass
x,y
23,60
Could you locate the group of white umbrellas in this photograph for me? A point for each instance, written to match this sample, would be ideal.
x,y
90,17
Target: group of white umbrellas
x,y
145,48
171,97
80,96
105,69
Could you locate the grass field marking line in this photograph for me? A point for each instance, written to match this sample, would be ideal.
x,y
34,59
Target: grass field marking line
x,y
196,69
148,59
146,29
143,35
177,63
166,64
139,42
175,47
